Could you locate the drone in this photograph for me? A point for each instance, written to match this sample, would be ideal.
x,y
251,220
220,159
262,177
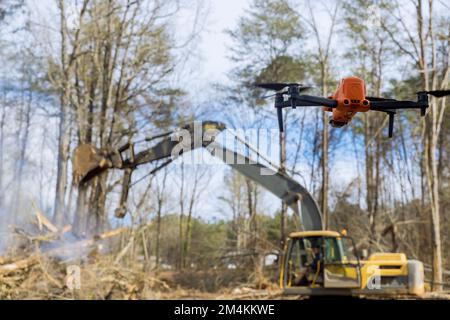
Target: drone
x,y
349,99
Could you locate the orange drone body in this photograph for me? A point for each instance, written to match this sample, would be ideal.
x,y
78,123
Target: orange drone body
x,y
351,98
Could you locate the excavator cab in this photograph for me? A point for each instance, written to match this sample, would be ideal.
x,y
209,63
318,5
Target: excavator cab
x,y
318,260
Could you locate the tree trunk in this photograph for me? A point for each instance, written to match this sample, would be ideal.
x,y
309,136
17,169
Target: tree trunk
x,y
433,188
160,196
63,138
180,226
80,218
23,143
158,234
283,218
325,136
2,138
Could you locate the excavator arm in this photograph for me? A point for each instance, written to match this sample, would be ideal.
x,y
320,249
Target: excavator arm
x,y
89,162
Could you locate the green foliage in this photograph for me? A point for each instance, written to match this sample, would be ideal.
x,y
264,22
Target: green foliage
x,y
208,242
213,240
368,49
271,227
267,46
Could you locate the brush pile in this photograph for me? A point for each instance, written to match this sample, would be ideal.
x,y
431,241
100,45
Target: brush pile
x,y
47,262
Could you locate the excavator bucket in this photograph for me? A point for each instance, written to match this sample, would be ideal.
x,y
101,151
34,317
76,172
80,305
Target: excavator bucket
x,y
88,162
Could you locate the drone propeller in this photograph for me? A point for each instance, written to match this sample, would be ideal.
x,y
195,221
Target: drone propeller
x,y
422,96
437,93
277,86
273,95
293,90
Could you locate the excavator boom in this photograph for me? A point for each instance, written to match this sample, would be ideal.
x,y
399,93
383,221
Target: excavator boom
x,y
89,162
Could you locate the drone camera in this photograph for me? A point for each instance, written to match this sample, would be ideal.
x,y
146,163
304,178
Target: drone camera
x,y
337,124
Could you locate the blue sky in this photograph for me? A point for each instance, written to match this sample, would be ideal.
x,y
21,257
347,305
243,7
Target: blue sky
x,y
211,65
223,15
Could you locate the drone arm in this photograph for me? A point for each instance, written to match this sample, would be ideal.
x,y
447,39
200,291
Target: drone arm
x,y
389,105
307,101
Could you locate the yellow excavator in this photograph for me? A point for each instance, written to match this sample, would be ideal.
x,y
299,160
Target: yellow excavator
x,y
315,261
327,263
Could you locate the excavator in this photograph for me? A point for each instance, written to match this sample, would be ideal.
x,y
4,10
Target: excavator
x,y
315,262
326,263
90,162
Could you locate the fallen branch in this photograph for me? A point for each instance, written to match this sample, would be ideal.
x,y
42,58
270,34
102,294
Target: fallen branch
x,y
44,221
34,258
18,265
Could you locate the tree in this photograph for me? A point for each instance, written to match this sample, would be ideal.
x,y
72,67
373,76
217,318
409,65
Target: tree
x,y
234,199
370,53
323,60
419,45
67,62
160,200
267,47
198,185
111,77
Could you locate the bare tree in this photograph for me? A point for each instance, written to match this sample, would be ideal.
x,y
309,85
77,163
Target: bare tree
x,y
67,62
419,46
198,176
264,42
160,200
370,53
323,60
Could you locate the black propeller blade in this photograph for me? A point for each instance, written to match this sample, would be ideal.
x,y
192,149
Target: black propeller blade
x,y
437,93
277,86
273,95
